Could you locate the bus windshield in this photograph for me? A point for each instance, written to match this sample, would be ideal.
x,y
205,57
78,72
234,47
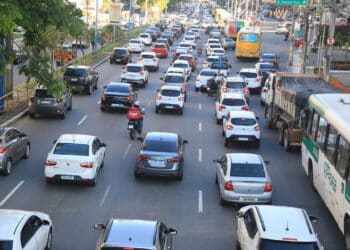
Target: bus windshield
x,y
246,37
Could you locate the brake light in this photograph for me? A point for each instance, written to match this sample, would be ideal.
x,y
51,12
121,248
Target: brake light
x,y
125,71
139,59
224,90
198,78
246,108
59,100
174,160
180,98
268,187
2,150
103,97
228,186
246,90
264,90
32,99
143,158
257,128
142,73
50,163
257,79
229,127
87,165
221,107
159,97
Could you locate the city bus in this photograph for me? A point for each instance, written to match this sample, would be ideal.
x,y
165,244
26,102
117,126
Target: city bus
x,y
326,153
248,42
232,27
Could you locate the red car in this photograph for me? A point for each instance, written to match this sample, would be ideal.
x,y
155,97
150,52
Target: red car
x,y
160,49
191,60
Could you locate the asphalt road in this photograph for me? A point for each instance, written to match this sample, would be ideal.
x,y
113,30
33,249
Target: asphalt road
x,y
191,206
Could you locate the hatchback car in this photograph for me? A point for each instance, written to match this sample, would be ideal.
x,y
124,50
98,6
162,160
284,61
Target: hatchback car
x,y
14,145
145,38
236,84
271,58
43,103
241,126
253,77
120,55
81,78
170,97
175,79
211,46
75,157
135,73
161,154
243,178
186,45
202,78
160,49
29,230
118,96
228,43
265,68
223,68
132,234
149,60
190,58
183,64
135,45
228,102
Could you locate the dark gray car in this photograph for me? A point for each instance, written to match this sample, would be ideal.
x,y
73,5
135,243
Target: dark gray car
x,y
14,145
161,154
228,43
81,78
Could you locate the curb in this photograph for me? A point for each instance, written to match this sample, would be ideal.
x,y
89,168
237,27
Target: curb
x,y
15,118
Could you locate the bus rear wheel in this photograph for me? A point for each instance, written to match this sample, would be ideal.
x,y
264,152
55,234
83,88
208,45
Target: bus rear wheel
x,y
347,233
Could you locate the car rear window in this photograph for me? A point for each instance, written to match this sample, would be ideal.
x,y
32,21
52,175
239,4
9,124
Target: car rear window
x,y
208,73
215,45
219,51
173,79
144,35
185,45
160,145
187,58
236,85
219,66
247,170
159,45
211,59
42,93
233,102
117,88
287,245
6,244
135,41
248,74
147,56
75,72
170,92
267,66
243,121
180,65
134,69
71,149
120,51
268,57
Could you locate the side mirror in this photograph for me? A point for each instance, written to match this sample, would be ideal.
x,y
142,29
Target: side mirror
x,y
184,142
239,215
267,162
45,222
54,141
139,139
313,219
216,161
99,226
171,231
103,145
104,87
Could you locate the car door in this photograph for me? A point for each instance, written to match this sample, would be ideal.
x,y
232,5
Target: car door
x,y
249,230
27,239
222,171
40,231
22,143
99,151
13,144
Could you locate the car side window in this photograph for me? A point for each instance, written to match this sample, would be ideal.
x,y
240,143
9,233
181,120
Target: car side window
x,y
95,146
10,135
250,223
35,223
26,234
224,165
162,235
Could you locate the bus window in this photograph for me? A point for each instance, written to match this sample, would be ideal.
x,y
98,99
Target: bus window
x,y
314,125
321,133
253,38
343,159
331,145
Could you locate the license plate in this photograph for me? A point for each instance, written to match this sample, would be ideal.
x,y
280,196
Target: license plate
x,y
118,60
74,79
45,102
115,105
155,163
169,107
130,126
248,199
67,177
242,138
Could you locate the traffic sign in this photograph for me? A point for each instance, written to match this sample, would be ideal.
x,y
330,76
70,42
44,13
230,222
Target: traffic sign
x,y
330,40
291,2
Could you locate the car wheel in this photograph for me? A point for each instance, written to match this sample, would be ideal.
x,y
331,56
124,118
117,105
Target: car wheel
x,y
103,161
70,105
157,110
110,62
102,108
216,180
8,167
136,175
196,89
49,240
257,143
280,136
286,143
27,152
223,133
218,121
238,246
222,201
227,142
95,87
32,115
63,115
93,182
181,111
89,90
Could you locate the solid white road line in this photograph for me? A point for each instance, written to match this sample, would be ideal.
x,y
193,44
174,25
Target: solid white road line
x,y
200,201
11,193
200,127
200,155
99,102
200,106
127,150
82,120
105,195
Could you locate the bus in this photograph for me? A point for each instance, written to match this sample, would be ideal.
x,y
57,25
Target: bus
x,y
248,42
325,153
232,27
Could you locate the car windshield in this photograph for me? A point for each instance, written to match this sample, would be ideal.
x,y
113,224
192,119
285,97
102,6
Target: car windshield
x,y
6,244
248,74
42,93
235,85
120,51
212,59
208,73
159,45
173,79
215,45
117,88
144,36
180,65
170,92
134,69
185,45
187,58
286,245
233,102
135,41
219,66
146,56
75,72
241,121
159,145
247,170
71,149
218,51
267,66
268,57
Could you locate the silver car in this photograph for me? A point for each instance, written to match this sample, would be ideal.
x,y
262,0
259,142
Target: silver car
x,y
236,84
243,178
14,145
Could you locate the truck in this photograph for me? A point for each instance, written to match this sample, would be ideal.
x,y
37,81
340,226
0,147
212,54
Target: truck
x,y
286,98
64,54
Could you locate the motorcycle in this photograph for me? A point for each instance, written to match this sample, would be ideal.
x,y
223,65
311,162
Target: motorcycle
x,y
199,51
133,128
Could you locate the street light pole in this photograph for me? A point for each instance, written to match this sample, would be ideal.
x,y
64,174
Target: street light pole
x,y
96,26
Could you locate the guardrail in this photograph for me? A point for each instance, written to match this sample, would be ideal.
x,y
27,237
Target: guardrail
x,y
18,97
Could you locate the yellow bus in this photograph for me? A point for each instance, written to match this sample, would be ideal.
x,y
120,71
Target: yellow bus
x,y
248,43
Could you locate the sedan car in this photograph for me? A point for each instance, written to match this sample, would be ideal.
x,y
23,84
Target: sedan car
x,y
228,43
25,230
135,45
14,145
243,178
75,157
271,58
161,154
129,234
149,60
118,96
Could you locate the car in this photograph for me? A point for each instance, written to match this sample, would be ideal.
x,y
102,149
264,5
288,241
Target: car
x,y
212,41
161,154
178,51
241,126
81,78
145,38
120,55
160,49
221,67
275,227
265,68
149,60
157,30
190,58
190,39
283,28
44,103
118,96
24,229
169,37
195,30
202,78
152,33
209,60
186,45
134,234
163,40
136,74
210,28
135,45
14,145
253,77
267,87
170,97
228,43
227,102
184,65
219,52
271,58
75,157
80,44
215,33
236,84
243,178
177,79
176,70
211,46
19,55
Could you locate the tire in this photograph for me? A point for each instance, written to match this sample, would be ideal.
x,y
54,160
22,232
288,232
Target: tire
x,y
89,90
218,121
286,143
222,201
347,233
103,161
196,89
157,110
132,134
257,143
238,246
31,115
136,175
63,115
49,240
70,106
93,182
8,168
27,153
181,111
311,176
216,180
280,136
227,142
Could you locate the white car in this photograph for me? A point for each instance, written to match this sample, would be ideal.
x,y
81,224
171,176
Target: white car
x,y
265,95
253,77
275,227
170,97
241,126
191,40
29,230
135,45
236,84
135,73
176,71
186,45
223,68
145,38
203,77
184,65
228,102
75,157
212,41
175,79
218,52
208,61
149,60
210,48
283,28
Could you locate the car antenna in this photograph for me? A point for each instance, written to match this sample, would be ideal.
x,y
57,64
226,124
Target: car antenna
x,y
287,228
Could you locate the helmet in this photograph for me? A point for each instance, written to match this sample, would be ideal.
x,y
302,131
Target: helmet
x,y
136,104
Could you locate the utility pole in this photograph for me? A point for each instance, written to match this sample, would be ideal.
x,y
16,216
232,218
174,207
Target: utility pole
x,y
329,48
146,11
96,26
291,46
306,42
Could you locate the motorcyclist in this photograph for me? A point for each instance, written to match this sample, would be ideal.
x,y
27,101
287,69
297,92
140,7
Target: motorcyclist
x,y
212,85
199,49
135,114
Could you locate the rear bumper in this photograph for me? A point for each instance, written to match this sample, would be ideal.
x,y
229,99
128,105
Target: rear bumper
x,y
166,106
263,198
155,172
46,110
115,105
244,138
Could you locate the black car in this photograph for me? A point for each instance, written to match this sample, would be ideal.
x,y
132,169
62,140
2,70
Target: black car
x,y
134,234
161,154
81,78
271,58
117,96
120,55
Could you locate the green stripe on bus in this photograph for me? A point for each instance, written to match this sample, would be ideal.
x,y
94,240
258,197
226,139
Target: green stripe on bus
x,y
311,147
315,102
347,193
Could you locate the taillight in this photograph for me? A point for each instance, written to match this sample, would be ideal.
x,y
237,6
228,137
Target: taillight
x,y
143,158
2,150
246,90
228,186
257,128
268,187
50,163
229,127
142,73
159,97
32,99
180,98
103,97
124,71
87,165
257,79
174,160
221,107
224,90
59,100
246,108
198,78
264,90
